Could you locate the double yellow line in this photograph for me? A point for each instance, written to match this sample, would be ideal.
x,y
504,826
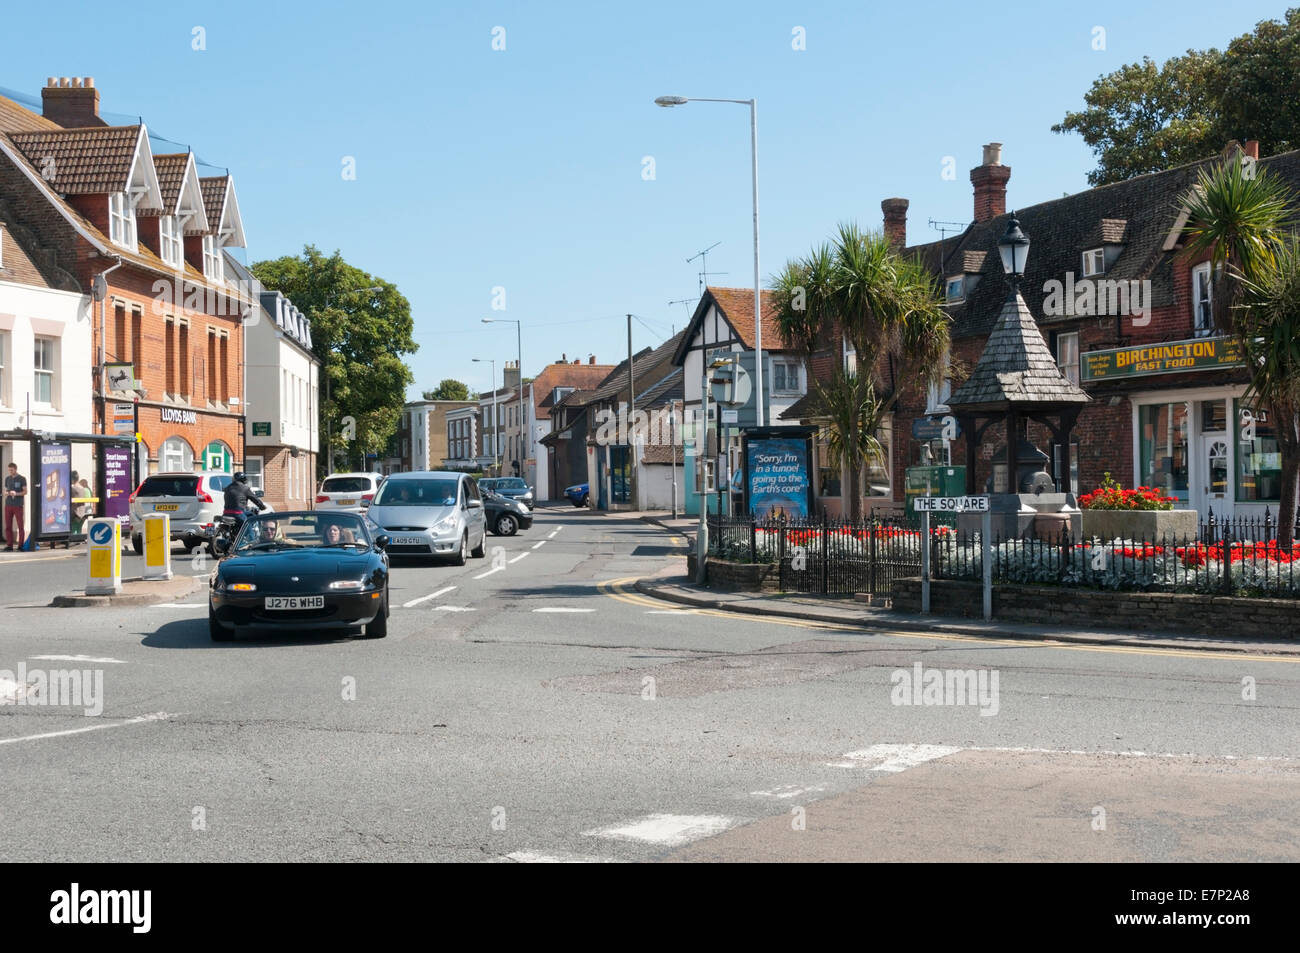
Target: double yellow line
x,y
624,591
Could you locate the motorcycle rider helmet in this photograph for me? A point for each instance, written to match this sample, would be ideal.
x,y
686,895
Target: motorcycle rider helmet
x,y
241,477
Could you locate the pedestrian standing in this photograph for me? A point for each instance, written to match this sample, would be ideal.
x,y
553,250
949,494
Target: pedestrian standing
x,y
80,511
15,495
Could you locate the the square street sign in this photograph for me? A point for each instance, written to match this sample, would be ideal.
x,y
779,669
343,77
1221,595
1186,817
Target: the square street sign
x,y
951,504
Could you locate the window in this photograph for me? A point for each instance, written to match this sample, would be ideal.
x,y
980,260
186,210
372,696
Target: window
x,y
1074,467
176,455
169,355
4,350
955,288
44,367
137,349
169,241
1067,355
120,342
121,220
937,401
212,366
211,257
1163,431
1259,458
1094,262
223,373
785,377
1202,301
183,359
850,357
878,469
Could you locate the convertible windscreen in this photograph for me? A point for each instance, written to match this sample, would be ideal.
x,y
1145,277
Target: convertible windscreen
x,y
417,493
302,531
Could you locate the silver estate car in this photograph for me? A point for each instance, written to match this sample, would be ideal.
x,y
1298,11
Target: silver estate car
x,y
432,513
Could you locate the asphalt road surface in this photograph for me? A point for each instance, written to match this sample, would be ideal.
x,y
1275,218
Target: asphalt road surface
x,y
531,706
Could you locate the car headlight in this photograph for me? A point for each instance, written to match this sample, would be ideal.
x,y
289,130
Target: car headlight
x,y
444,524
348,584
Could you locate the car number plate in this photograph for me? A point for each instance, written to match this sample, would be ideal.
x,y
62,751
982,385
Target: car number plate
x,y
165,507
295,602
346,502
409,541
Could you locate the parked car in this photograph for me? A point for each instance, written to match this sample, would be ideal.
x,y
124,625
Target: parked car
x,y
578,494
513,487
348,492
505,516
432,513
302,571
193,500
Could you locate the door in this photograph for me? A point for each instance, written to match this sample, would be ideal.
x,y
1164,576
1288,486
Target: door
x,y
1214,482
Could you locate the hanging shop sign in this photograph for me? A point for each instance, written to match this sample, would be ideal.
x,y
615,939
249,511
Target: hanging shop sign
x,y
1170,357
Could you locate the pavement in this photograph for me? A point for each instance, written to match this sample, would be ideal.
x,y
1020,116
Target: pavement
x,y
672,584
135,592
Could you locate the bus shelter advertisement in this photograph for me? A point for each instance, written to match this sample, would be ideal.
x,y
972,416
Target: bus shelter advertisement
x,y
117,482
778,469
56,480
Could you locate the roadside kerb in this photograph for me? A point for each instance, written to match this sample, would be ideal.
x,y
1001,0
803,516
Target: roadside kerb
x,y
135,592
887,620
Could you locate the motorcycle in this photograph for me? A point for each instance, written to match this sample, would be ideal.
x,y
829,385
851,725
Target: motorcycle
x,y
227,528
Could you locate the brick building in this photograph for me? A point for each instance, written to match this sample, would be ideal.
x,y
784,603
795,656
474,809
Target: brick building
x,y
145,234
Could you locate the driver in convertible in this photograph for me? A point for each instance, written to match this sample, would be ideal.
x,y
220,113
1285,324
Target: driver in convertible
x,y
267,531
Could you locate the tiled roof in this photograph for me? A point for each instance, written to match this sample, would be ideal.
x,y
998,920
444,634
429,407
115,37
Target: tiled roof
x,y
1016,368
1137,213
647,362
737,306
171,176
672,387
973,261
15,117
214,197
567,375
806,407
82,161
662,453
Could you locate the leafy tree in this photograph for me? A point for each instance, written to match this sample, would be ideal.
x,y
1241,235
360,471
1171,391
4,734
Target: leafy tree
x,y
448,389
1145,118
1240,219
360,328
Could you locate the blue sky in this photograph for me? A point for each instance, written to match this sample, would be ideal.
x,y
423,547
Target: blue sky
x,y
523,168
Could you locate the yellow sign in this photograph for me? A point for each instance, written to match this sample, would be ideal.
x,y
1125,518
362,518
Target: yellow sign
x,y
1172,357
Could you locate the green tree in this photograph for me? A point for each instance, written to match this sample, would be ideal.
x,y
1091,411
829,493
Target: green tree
x,y
1145,118
448,389
360,328
886,306
1239,216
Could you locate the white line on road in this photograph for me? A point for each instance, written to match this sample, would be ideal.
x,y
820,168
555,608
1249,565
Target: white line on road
x,y
156,716
77,658
668,830
490,572
789,790
562,609
519,557
432,595
551,534
559,857
453,608
894,758
539,544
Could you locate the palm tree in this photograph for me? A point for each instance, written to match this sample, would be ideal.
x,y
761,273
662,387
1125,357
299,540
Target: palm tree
x,y
884,305
1240,219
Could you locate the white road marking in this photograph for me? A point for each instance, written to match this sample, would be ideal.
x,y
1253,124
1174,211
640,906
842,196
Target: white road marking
x,y
517,558
789,790
77,658
551,534
894,758
432,595
490,572
559,857
156,716
667,830
539,544
453,609
562,609
9,690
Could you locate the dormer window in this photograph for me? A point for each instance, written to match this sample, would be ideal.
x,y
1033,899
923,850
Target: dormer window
x,y
169,241
211,257
1094,262
121,220
955,289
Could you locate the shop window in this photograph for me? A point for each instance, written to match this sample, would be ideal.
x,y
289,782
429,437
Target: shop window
x,y
1214,416
1259,458
176,455
1163,448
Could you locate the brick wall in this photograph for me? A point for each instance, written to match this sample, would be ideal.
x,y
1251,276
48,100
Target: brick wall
x,y
740,577
276,463
1099,609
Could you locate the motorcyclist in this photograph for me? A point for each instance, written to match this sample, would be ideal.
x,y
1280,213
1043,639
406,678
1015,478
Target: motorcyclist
x,y
239,500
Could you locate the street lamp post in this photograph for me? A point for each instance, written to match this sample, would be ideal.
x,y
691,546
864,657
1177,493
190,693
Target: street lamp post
x,y
668,101
519,345
496,419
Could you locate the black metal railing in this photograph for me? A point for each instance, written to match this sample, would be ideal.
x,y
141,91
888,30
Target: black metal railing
x,y
825,555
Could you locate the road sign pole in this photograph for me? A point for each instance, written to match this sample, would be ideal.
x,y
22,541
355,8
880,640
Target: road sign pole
x,y
986,560
925,561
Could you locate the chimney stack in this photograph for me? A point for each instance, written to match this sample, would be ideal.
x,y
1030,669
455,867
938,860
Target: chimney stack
x,y
71,103
510,376
990,181
1252,148
592,359
895,222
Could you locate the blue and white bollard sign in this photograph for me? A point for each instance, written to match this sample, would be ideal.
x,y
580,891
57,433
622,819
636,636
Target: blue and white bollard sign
x,y
157,547
104,551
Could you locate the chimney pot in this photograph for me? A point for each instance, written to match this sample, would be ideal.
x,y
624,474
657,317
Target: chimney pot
x,y
592,359
1252,148
564,358
895,221
51,81
71,102
993,153
64,81
88,82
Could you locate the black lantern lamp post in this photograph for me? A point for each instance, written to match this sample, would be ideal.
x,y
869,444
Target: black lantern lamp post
x,y
1014,249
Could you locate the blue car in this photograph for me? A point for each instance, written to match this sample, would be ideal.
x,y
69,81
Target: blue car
x,y
577,494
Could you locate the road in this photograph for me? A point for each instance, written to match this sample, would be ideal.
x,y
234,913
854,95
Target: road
x,y
531,706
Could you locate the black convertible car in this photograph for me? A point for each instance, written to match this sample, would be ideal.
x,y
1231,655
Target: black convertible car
x,y
301,571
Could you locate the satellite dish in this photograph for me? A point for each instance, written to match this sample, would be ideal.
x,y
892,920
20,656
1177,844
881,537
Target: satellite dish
x,y
99,288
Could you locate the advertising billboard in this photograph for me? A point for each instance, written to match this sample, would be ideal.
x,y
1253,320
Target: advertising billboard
x,y
778,467
56,481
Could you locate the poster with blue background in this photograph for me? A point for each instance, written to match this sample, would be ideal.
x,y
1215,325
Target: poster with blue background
x,y
777,469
